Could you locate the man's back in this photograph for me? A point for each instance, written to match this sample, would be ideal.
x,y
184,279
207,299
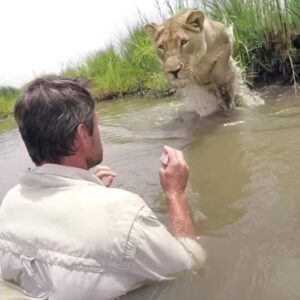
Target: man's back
x,y
69,237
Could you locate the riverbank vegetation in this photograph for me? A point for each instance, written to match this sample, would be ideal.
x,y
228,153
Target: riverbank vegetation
x,y
267,37
266,46
124,69
8,97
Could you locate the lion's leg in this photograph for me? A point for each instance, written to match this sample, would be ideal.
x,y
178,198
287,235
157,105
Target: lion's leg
x,y
221,73
226,93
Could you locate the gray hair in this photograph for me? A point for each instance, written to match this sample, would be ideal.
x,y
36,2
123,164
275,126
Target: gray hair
x,y
48,113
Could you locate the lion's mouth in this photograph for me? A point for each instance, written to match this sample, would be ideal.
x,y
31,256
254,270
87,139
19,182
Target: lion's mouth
x,y
180,82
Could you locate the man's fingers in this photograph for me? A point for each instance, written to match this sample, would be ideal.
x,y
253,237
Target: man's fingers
x,y
108,181
103,173
171,153
180,156
175,156
100,168
161,171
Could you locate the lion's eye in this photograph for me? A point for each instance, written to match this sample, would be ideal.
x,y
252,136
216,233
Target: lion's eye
x,y
161,47
184,42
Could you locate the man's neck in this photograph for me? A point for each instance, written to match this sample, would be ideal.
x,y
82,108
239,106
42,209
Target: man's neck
x,y
75,161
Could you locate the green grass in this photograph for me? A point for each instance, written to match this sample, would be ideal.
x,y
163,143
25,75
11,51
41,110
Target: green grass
x,y
8,98
122,69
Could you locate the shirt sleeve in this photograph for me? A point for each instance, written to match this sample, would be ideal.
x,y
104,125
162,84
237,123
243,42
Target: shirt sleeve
x,y
158,255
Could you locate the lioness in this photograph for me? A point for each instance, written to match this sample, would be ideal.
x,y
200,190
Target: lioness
x,y
197,50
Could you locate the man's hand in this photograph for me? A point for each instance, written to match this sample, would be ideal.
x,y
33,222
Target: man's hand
x,y
105,174
174,173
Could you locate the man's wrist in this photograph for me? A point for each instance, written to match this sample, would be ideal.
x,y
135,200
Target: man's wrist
x,y
175,197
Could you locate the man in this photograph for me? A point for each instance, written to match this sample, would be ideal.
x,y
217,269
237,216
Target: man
x,y
64,233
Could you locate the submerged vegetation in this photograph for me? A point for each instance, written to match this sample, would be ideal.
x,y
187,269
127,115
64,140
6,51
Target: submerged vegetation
x,y
266,46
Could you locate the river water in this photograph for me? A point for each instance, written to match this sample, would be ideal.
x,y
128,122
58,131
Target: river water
x,y
243,189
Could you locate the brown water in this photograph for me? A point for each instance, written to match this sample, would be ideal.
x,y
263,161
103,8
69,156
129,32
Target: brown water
x,y
243,189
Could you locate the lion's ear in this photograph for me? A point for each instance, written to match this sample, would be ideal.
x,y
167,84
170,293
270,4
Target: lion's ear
x,y
151,28
195,19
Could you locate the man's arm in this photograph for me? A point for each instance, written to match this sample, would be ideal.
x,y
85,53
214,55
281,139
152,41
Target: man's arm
x,y
159,255
174,174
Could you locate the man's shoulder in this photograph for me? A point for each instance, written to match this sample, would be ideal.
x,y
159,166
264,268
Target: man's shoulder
x,y
96,194
97,202
85,193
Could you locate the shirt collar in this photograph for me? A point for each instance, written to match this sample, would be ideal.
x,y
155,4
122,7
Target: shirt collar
x,y
66,171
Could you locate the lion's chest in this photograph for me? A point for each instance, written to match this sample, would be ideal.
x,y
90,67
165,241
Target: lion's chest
x,y
202,72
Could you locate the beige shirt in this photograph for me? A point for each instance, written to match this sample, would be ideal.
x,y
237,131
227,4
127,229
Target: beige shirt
x,y
64,235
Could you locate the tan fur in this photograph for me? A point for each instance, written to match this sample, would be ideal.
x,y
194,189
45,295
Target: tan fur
x,y
195,49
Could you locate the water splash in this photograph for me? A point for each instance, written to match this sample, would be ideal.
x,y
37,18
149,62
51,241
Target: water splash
x,y
209,99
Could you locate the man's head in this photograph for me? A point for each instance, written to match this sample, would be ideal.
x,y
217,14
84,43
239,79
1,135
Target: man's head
x,y
56,120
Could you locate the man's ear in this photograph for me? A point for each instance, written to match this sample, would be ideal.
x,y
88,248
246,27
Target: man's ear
x,y
195,20
152,29
81,134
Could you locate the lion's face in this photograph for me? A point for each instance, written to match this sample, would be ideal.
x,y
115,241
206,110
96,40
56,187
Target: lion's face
x,y
180,44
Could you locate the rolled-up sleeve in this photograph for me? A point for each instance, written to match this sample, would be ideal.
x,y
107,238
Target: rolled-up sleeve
x,y
158,255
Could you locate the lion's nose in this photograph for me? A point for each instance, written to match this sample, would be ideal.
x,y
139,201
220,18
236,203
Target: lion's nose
x,y
175,72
